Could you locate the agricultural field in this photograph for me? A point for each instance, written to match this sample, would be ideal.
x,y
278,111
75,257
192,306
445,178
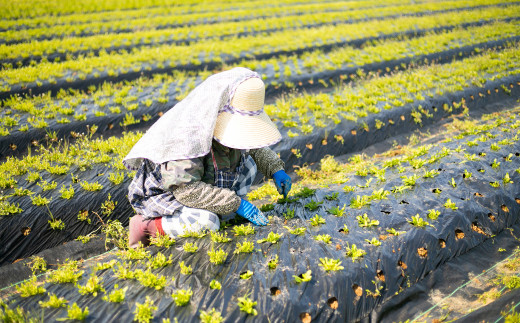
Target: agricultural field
x,y
400,124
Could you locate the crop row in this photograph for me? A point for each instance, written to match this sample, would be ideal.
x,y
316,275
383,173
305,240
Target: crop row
x,y
124,33
210,15
38,112
205,53
362,257
62,8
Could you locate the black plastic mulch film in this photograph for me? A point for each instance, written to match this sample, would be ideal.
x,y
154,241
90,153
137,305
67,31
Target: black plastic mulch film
x,y
480,211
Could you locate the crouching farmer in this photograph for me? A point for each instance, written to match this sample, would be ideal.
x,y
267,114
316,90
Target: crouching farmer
x,y
198,161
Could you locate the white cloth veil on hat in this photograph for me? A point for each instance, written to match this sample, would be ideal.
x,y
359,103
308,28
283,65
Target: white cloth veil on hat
x,y
186,130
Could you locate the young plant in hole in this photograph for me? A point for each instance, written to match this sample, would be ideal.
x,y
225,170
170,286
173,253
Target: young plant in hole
x,y
507,179
37,263
495,164
317,220
267,207
214,284
410,180
117,295
74,312
93,286
243,230
289,214
296,231
247,305
182,297
367,183
305,277
466,174
313,205
495,184
417,221
185,270
148,279
349,189
67,193
162,240
248,274
380,194
220,237
144,312
364,221
332,197
374,242
190,247
212,316
273,263
354,252
337,211
159,261
323,238
359,201
30,288
400,189
450,205
245,247
193,234
66,273
217,257
453,183
271,237
53,302
330,264
394,232
433,214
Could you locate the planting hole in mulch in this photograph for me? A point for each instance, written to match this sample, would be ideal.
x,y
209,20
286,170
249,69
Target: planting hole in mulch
x,y
459,234
386,212
517,154
442,243
358,290
25,231
478,194
324,142
436,190
476,228
333,303
380,275
343,231
110,126
504,208
402,265
463,175
13,146
422,252
402,118
353,132
403,202
517,200
305,317
491,217
309,146
338,247
275,291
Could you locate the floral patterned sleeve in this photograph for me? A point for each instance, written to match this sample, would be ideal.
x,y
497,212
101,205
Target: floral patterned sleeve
x,y
183,179
267,161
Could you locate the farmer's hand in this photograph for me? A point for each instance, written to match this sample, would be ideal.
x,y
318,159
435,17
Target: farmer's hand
x,y
283,182
251,213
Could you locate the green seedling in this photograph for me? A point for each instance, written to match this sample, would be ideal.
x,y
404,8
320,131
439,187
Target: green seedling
x,y
144,312
495,147
215,284
323,238
185,270
317,220
466,174
244,230
400,189
30,288
160,261
74,312
330,264
211,316
162,240
364,221
190,247
394,232
354,252
248,274
453,183
53,302
374,242
37,263
296,231
93,286
450,205
495,184
359,201
67,193
289,214
182,297
410,180
245,247
380,194
417,221
337,211
217,257
117,295
367,183
273,263
313,205
193,234
221,237
66,273
349,189
271,237
495,164
507,179
433,214
344,230
332,197
267,207
247,305
305,277
149,279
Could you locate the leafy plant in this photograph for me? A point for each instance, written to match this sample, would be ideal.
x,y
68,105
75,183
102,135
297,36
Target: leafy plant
x,y
364,221
359,201
182,297
144,312
417,221
30,288
212,316
507,179
248,274
221,237
317,220
162,240
450,205
190,247
495,184
66,273
305,277
37,263
313,205
243,230
117,295
337,211
214,284
289,214
330,264
323,238
74,312
296,231
332,196
271,237
217,257
354,252
380,194
149,279
247,305
53,302
67,193
185,270
159,261
273,263
433,214
93,286
374,242
394,232
245,247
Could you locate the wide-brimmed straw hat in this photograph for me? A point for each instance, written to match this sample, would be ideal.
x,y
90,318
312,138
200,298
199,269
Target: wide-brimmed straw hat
x,y
243,124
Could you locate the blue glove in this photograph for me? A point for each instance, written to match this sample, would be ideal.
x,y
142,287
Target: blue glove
x,y
251,213
283,182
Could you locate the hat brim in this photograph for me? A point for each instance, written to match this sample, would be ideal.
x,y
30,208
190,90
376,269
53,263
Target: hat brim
x,y
246,132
